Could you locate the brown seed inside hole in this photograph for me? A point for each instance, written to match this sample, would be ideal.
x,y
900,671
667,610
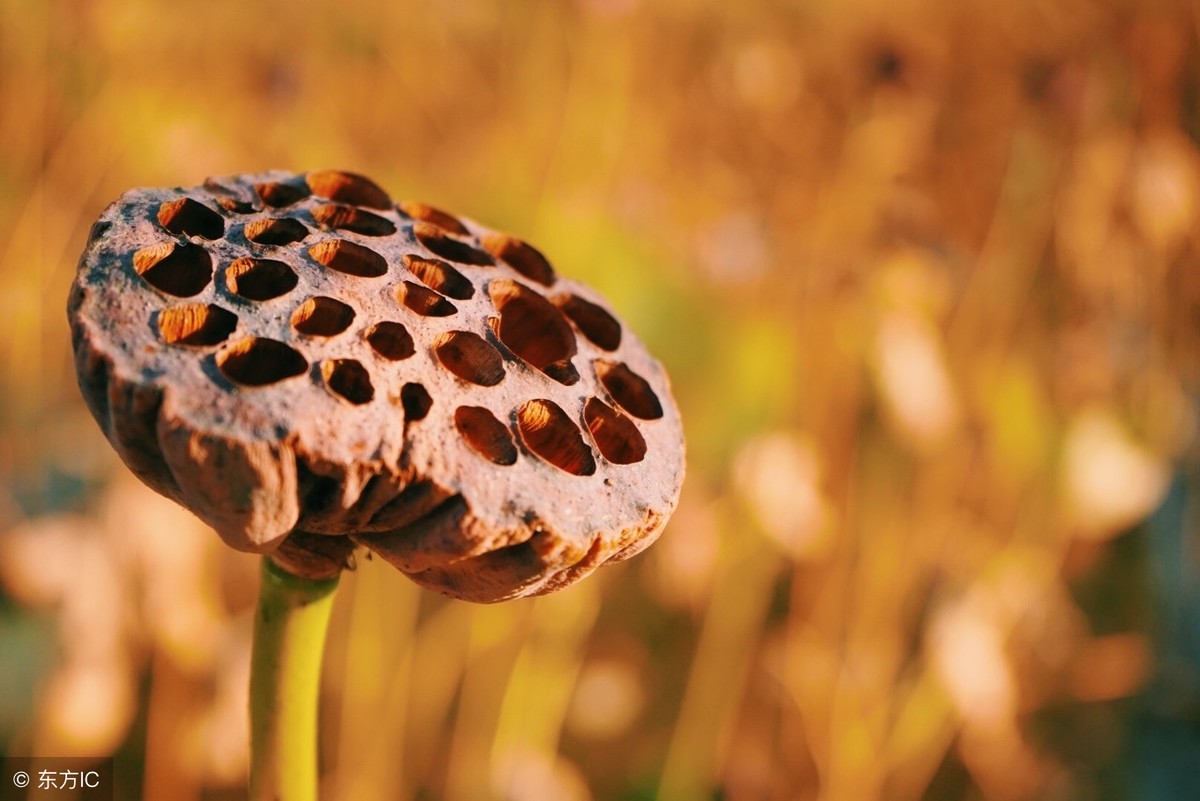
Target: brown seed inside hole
x,y
276,231
548,432
614,434
348,187
592,321
424,301
534,330
470,357
255,362
629,389
232,204
177,269
447,247
277,195
348,379
486,435
322,317
521,256
187,217
416,402
349,218
350,258
259,279
196,324
439,276
391,340
429,214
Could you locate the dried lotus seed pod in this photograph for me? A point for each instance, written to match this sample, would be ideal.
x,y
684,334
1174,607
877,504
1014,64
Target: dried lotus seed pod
x,y
308,367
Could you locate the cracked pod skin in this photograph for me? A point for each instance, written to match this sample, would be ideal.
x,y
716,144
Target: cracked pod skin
x,y
309,366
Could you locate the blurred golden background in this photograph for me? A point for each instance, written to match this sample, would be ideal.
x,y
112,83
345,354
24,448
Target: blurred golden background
x,y
925,277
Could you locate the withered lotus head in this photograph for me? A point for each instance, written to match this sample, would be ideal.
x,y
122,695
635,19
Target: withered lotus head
x,y
310,367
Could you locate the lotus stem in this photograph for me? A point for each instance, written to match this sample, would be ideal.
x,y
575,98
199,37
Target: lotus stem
x,y
285,676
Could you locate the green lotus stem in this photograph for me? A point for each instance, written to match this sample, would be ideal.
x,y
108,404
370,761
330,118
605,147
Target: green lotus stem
x,y
285,676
